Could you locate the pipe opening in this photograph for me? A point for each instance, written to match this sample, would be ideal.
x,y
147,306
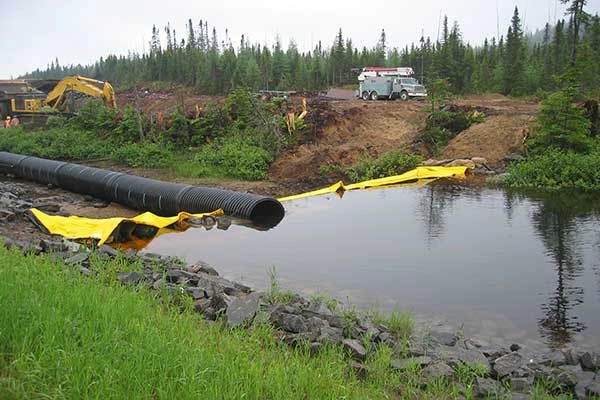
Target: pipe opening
x,y
267,213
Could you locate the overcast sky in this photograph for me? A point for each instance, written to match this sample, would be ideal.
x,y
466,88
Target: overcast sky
x,y
34,32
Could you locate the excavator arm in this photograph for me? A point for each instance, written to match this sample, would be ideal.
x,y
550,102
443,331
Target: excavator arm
x,y
88,86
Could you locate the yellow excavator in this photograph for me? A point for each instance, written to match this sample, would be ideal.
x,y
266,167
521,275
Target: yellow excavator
x,y
31,101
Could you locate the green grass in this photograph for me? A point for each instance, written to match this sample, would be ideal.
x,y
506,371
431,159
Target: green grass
x,y
65,336
277,294
392,163
400,323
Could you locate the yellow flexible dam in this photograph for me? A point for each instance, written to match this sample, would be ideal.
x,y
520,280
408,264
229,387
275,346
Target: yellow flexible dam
x,y
419,175
74,227
105,230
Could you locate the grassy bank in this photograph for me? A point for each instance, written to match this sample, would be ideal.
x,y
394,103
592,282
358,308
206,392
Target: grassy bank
x,y
63,335
555,170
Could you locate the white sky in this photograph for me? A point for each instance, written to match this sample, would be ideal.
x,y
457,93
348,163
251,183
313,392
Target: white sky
x,y
34,32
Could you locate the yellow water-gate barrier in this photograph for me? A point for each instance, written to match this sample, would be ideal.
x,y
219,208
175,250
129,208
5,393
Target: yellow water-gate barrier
x,y
74,227
421,175
104,230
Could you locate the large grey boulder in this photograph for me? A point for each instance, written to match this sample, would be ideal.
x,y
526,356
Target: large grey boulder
x,y
459,355
505,365
242,309
593,388
356,349
443,337
130,278
287,321
437,370
590,361
404,364
488,388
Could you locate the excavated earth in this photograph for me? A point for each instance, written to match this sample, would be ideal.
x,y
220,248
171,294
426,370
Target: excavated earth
x,y
346,128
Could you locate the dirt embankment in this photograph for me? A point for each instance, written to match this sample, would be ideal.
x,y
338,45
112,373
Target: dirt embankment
x,y
503,132
345,128
351,128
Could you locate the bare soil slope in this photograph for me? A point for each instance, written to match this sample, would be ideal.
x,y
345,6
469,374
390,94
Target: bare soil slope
x,y
356,128
493,139
502,133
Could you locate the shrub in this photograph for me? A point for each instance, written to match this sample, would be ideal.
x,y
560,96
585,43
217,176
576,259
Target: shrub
x,y
180,130
56,143
234,157
94,116
129,128
561,124
556,169
436,139
453,121
210,124
240,107
149,155
388,164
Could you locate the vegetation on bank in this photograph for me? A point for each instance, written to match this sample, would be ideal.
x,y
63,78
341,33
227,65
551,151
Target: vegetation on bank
x,y
64,335
394,162
565,152
237,139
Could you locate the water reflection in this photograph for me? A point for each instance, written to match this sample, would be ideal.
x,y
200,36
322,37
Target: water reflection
x,y
524,262
556,217
434,204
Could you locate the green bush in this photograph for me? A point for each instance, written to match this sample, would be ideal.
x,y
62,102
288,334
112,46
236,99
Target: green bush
x,y
234,157
180,130
148,155
94,116
128,130
56,143
388,164
454,122
561,124
211,124
240,106
556,169
436,139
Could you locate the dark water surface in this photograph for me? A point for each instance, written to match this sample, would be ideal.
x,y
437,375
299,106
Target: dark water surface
x,y
524,267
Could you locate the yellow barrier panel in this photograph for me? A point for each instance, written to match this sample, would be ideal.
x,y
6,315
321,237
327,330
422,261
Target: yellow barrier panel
x,y
101,229
423,174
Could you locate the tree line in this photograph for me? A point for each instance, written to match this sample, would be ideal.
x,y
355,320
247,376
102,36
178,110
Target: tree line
x,y
514,64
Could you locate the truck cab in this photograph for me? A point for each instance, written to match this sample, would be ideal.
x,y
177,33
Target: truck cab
x,y
405,88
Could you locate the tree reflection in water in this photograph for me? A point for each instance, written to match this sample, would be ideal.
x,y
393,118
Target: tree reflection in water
x,y
556,218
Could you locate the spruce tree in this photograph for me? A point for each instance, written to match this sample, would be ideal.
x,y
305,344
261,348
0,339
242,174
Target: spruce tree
x,y
514,59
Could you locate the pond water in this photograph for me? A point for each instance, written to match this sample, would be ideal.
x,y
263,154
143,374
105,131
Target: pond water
x,y
525,267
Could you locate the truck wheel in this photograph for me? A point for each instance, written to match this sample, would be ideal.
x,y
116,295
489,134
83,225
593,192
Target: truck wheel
x,y
374,95
365,95
404,95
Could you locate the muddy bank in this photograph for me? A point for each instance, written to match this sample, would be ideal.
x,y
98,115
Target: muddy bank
x,y
506,369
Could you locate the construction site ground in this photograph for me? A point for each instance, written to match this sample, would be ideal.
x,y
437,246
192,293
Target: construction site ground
x,y
343,129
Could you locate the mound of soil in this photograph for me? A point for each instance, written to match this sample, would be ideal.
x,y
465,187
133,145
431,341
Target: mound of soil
x,y
493,139
345,130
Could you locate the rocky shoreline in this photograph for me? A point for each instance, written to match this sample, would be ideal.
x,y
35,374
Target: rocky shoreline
x,y
505,371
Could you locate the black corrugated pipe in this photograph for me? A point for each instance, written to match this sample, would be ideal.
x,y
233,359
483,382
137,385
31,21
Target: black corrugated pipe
x,y
161,198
